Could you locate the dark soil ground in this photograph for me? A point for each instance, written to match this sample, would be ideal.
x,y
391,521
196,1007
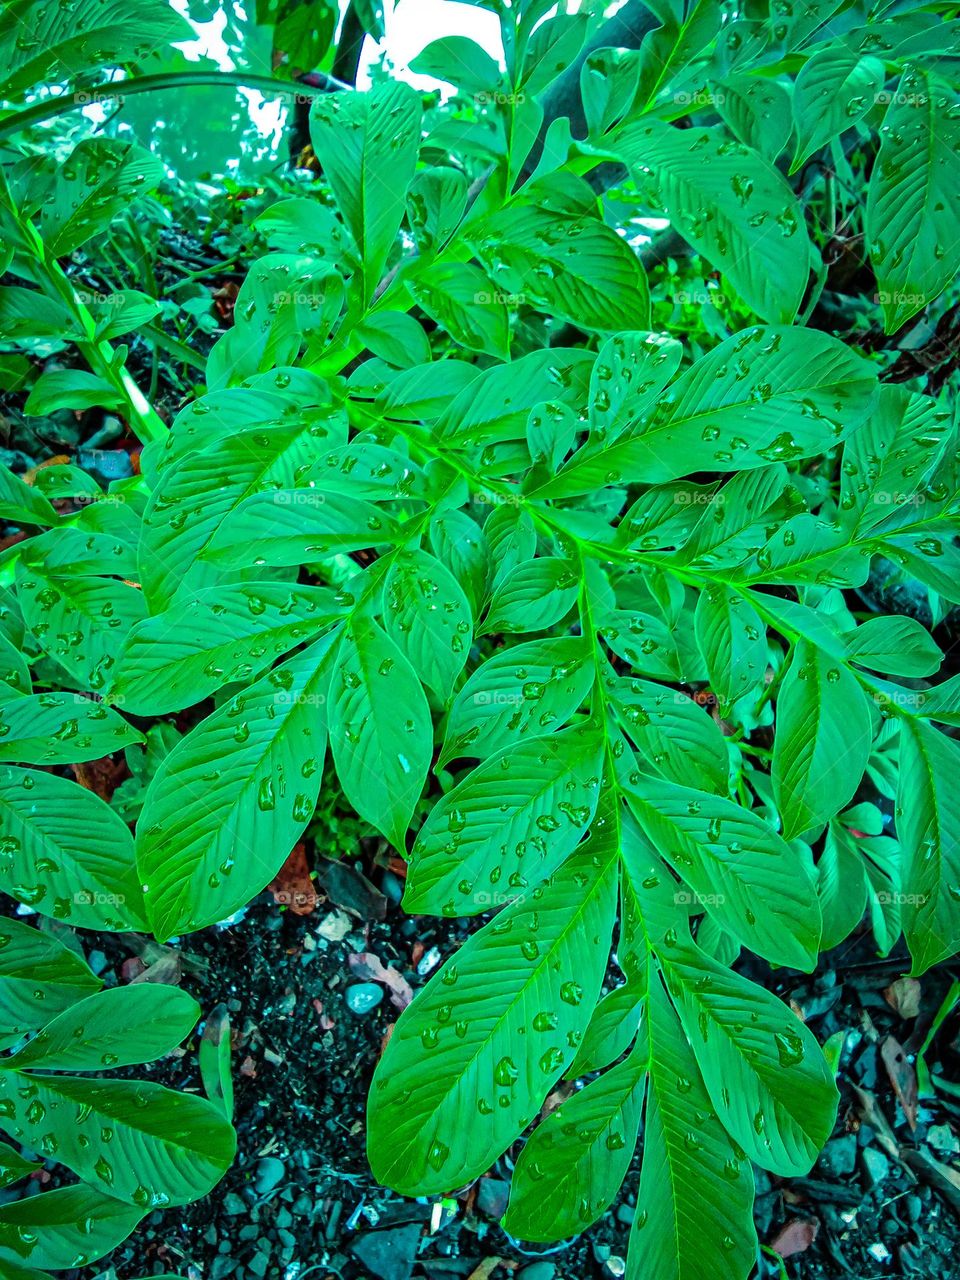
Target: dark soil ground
x,y
881,1201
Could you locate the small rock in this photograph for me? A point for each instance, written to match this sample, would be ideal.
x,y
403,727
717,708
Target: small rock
x,y
877,1166
270,1173
615,1266
601,1252
362,997
626,1214
943,1140
839,1156
389,1255
538,1271
492,1195
912,1207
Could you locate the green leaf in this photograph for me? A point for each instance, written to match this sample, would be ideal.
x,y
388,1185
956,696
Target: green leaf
x,y
380,731
436,203
741,872
928,823
114,1028
287,301
301,224
507,826
368,144
146,1145
429,618
572,1165
61,728
912,225
79,621
733,641
70,389
673,736
67,1227
232,798
43,41
64,852
461,298
757,110
694,1216
19,501
459,61
453,1090
579,270
517,694
823,735
553,46
729,409
841,887
730,204
197,490
214,637
14,1168
835,89
744,1038
39,977
537,594
99,179
897,645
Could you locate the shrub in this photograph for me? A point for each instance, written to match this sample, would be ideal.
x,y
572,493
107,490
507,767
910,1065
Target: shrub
x,y
570,600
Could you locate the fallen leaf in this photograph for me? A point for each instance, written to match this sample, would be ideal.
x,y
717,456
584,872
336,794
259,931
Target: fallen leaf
x,y
903,1077
335,926
167,969
796,1237
903,997
248,1068
293,887
372,969
486,1268
351,889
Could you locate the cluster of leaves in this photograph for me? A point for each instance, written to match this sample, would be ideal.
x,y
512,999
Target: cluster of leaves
x,y
135,1145
486,558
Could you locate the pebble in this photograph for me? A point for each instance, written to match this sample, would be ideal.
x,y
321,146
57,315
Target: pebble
x,y
877,1165
270,1173
538,1271
362,997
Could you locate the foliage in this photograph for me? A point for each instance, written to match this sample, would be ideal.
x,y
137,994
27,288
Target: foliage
x,y
451,504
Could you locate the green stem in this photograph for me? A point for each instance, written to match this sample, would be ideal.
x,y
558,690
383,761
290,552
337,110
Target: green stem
x,y
50,108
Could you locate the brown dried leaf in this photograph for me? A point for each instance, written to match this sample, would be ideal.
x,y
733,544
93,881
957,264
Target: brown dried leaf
x,y
903,996
903,1077
796,1237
